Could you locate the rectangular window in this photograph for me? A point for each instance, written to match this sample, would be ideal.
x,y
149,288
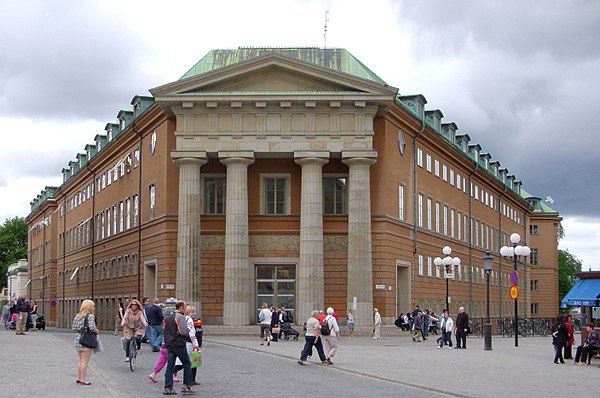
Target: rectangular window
x,y
437,217
275,195
428,162
437,272
429,266
401,202
128,213
535,308
121,216
420,210
452,222
437,168
134,264
444,172
126,265
534,285
533,229
335,195
120,266
452,177
457,180
136,157
215,190
419,157
103,184
420,265
109,176
152,198
114,220
459,224
429,213
135,210
445,220
108,222
476,233
534,257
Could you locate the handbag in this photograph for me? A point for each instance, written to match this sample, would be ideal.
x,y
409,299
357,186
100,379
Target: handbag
x,y
276,330
196,358
88,338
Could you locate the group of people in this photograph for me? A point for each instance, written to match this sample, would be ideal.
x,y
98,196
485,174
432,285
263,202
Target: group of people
x,y
563,339
273,319
321,327
174,337
21,313
422,323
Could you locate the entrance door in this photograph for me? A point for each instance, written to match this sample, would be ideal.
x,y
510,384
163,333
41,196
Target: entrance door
x,y
276,285
150,279
402,287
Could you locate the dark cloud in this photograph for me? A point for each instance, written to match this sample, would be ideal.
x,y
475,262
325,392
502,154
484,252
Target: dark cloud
x,y
529,69
67,58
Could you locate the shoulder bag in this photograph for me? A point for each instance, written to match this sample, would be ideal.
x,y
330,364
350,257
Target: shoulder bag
x,y
88,338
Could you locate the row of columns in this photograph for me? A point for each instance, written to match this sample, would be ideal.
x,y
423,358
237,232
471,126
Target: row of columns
x,y
238,306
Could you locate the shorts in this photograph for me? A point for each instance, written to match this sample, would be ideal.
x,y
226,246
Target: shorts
x,y
263,328
351,325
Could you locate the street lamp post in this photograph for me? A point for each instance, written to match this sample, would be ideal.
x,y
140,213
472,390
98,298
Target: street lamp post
x,y
518,255
449,264
488,262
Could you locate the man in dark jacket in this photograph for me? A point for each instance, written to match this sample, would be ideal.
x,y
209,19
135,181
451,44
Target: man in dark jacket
x,y
462,328
175,334
155,320
23,311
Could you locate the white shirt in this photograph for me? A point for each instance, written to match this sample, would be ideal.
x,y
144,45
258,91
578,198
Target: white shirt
x,y
267,315
377,318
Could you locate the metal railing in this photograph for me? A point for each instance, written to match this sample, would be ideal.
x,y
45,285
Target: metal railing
x,y
506,326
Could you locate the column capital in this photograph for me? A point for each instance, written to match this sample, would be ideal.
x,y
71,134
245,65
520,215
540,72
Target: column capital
x,y
351,158
236,157
190,157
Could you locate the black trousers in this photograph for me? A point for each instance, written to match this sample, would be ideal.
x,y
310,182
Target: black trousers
x,y
584,353
461,338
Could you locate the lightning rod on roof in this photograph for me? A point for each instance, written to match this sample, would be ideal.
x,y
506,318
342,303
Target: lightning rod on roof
x,y
325,29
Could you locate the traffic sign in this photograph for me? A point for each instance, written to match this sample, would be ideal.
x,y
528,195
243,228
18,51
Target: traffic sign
x,y
514,278
514,292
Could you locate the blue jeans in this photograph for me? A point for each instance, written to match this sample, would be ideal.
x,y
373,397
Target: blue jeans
x,y
182,354
138,344
156,335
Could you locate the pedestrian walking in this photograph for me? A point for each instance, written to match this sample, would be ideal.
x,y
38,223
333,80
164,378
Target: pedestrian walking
x,y
175,333
191,343
418,329
6,313
446,329
275,325
155,325
376,324
264,318
85,353
350,323
160,364
426,322
331,345
33,315
560,336
311,338
462,328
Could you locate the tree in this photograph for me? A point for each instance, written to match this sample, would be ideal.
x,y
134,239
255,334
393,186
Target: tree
x,y
13,244
568,265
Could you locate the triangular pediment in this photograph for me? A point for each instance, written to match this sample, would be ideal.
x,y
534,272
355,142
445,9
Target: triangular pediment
x,y
271,74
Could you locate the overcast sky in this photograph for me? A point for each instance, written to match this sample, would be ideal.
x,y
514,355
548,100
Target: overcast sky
x,y
520,77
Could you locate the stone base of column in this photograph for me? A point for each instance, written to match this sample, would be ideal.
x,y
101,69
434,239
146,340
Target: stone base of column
x,y
236,314
363,314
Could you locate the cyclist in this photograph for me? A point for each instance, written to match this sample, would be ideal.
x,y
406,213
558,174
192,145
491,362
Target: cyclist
x,y
134,326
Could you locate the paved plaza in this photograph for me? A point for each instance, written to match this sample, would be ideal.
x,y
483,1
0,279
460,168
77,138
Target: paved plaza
x,y
43,363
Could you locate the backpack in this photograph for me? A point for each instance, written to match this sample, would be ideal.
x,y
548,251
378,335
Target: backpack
x,y
325,329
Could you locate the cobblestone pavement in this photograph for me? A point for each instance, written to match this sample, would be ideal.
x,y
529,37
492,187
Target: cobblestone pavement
x,y
43,363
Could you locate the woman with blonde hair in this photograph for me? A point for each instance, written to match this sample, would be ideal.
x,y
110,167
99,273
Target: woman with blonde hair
x,y
134,325
85,353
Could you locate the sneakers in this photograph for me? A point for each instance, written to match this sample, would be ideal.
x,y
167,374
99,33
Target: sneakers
x,y
169,391
127,359
439,347
449,348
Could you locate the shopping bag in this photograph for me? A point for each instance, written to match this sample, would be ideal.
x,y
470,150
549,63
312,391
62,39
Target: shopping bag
x,y
196,358
276,330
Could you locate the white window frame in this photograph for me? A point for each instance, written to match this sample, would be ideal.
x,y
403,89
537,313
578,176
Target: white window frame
x,y
287,194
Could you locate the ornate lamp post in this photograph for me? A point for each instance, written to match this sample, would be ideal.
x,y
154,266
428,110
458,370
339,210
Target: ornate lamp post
x,y
488,262
449,264
518,255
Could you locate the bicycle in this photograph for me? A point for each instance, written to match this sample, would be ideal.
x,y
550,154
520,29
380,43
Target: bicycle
x,y
132,353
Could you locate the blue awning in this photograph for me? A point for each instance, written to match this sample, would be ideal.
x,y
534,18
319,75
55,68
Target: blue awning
x,y
585,293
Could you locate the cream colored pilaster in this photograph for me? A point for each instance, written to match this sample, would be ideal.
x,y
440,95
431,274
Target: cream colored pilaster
x,y
239,275
360,261
310,273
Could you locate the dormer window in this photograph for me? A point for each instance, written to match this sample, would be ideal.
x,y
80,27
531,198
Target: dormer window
x,y
99,145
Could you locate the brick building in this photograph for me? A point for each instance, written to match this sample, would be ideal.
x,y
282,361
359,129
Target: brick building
x,y
287,176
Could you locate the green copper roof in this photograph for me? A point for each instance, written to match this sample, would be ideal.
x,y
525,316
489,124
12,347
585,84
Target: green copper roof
x,y
333,58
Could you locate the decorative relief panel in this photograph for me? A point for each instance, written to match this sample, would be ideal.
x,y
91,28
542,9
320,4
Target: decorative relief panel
x,y
335,243
275,243
212,243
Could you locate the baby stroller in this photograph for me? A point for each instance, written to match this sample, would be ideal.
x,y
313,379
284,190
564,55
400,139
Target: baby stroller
x,y
288,331
13,322
40,322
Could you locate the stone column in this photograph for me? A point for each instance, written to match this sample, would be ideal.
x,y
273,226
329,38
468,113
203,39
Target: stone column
x,y
187,280
360,261
239,275
310,274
